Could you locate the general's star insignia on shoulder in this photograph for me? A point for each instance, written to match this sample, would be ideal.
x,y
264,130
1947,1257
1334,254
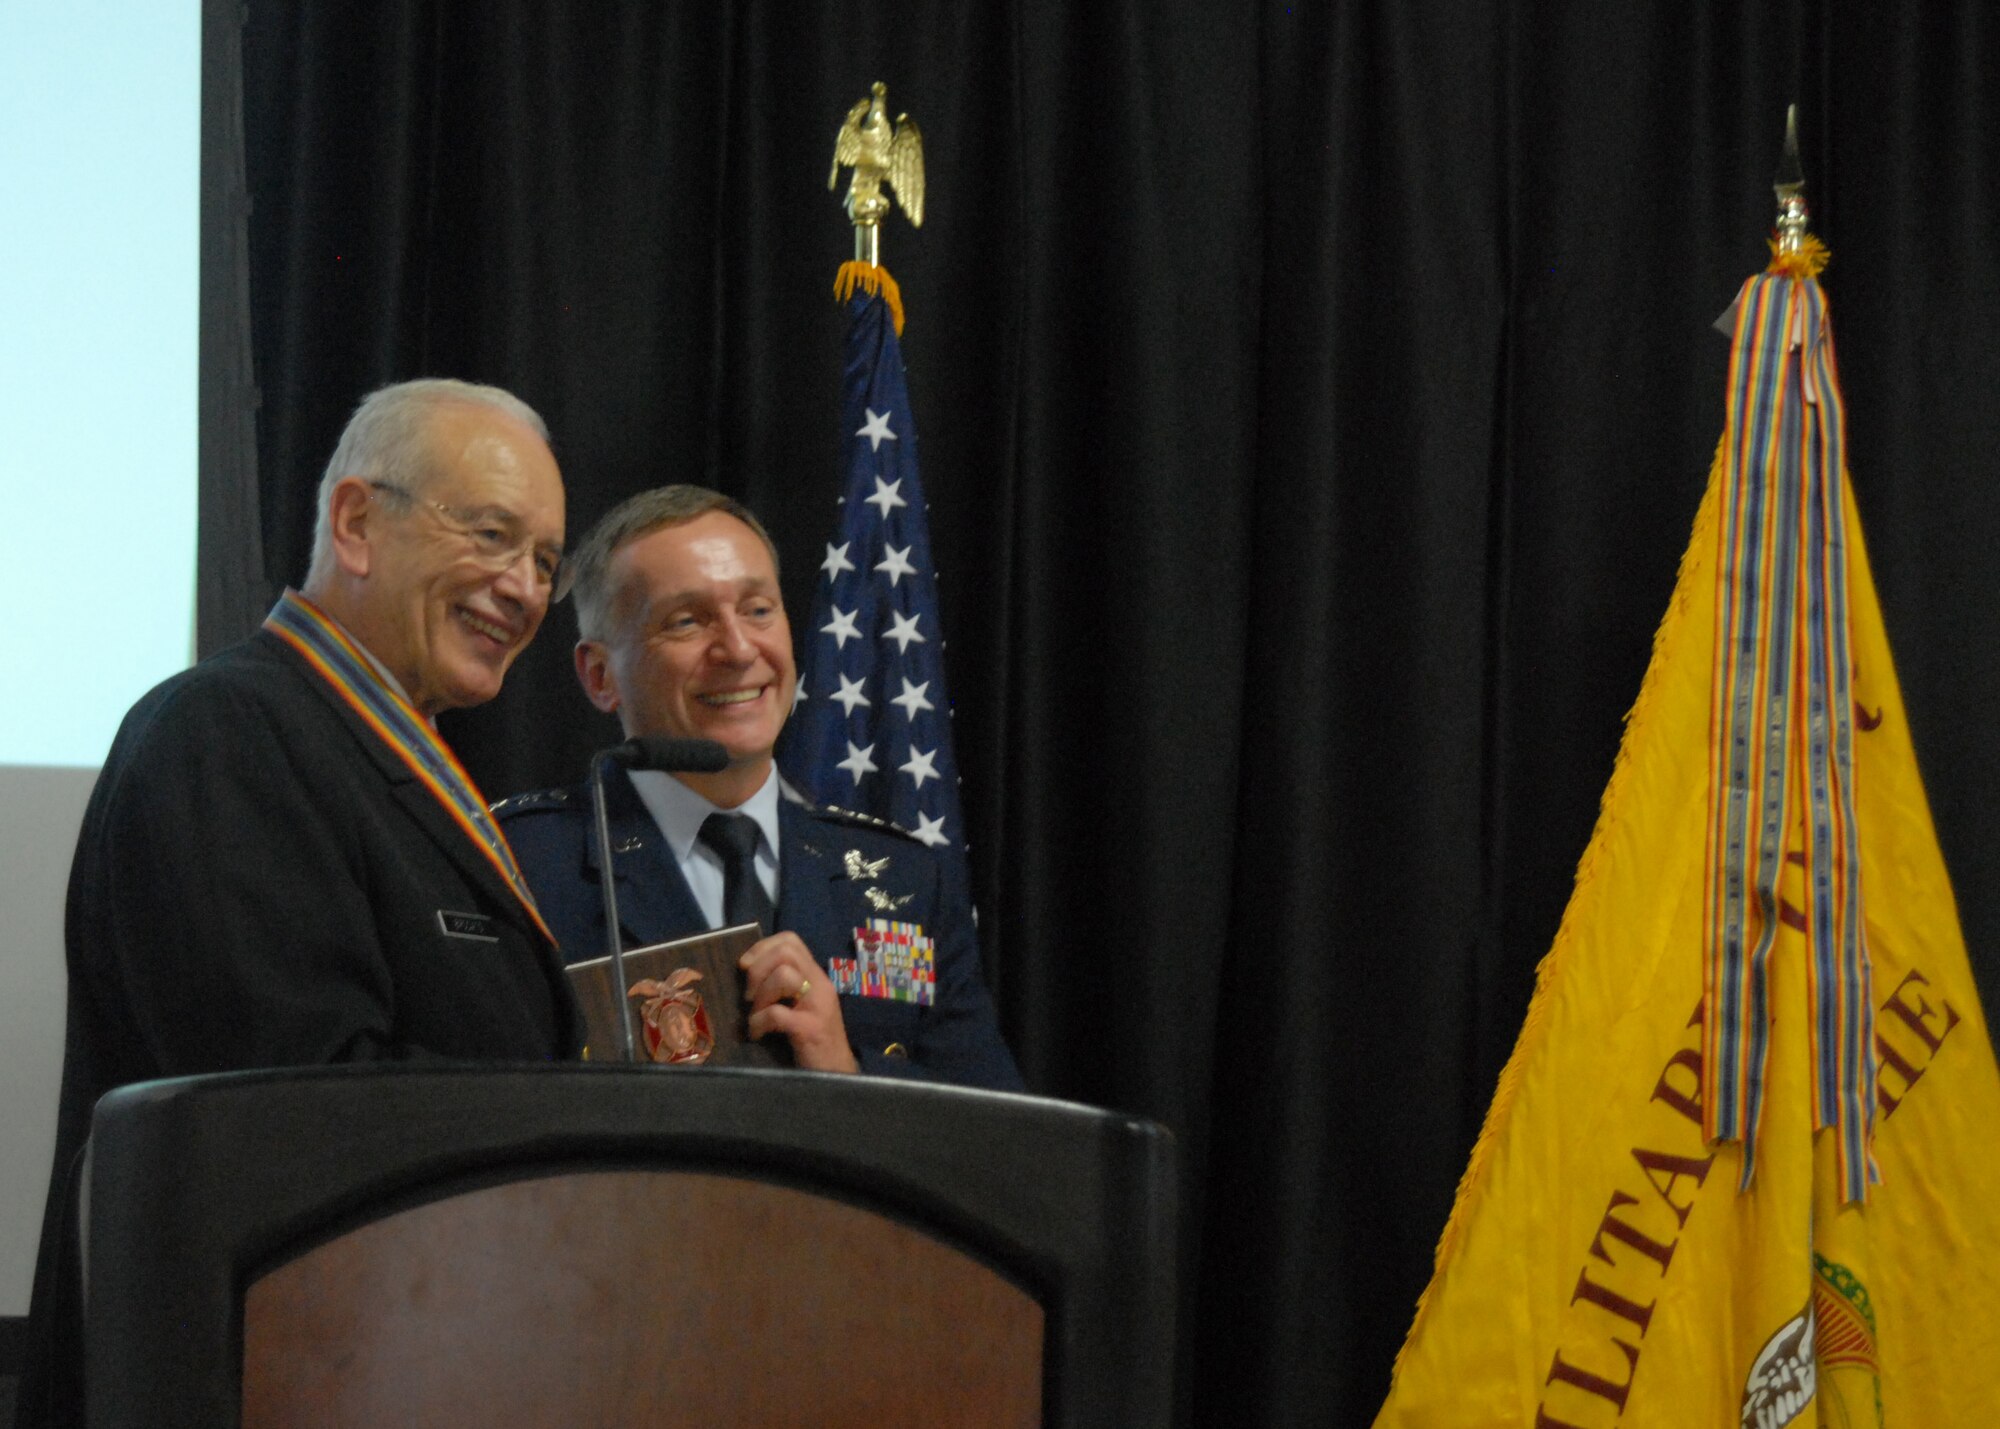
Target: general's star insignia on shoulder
x,y
529,803
854,816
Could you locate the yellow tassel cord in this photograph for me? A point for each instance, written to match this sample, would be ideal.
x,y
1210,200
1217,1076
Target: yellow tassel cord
x,y
1808,262
873,281
1611,814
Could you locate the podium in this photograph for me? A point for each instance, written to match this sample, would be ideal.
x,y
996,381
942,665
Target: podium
x,y
621,1246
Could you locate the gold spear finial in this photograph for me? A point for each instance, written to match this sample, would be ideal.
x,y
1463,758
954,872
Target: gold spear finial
x,y
876,150
1793,250
1790,188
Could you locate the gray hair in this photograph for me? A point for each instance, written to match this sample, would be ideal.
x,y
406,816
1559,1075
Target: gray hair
x,y
630,519
388,439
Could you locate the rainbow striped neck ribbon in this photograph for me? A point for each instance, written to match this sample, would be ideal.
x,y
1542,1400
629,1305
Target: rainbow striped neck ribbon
x,y
1781,770
336,658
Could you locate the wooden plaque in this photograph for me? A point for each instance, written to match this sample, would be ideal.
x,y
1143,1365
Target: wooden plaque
x,y
685,1004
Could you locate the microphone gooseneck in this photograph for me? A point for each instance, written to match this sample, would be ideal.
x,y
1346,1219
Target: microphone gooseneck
x,y
607,882
669,756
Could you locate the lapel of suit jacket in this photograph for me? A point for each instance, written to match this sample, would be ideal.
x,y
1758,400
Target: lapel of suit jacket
x,y
414,799
654,903
807,873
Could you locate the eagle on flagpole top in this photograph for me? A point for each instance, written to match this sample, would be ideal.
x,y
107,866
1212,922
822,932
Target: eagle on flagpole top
x,y
877,150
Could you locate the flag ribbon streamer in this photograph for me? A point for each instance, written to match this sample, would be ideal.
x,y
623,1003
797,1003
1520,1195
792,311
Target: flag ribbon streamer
x,y
1781,772
332,654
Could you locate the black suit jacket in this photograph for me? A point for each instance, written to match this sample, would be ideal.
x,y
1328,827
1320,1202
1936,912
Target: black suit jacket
x,y
259,882
957,1039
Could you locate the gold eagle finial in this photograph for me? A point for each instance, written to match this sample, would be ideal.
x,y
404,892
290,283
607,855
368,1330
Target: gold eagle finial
x,y
877,150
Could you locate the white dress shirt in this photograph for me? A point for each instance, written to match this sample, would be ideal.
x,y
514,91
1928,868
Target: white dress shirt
x,y
680,813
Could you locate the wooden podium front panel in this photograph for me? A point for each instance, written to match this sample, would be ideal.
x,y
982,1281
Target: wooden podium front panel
x,y
638,1298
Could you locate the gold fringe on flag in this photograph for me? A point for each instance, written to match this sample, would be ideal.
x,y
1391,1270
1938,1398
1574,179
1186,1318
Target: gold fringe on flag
x,y
873,281
1807,261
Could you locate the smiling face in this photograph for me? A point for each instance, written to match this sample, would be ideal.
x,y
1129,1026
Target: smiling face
x,y
699,647
446,624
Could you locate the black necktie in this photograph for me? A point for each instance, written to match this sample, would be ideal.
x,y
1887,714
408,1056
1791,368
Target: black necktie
x,y
734,837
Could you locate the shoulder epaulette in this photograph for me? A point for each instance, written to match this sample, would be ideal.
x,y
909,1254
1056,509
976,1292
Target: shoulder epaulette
x,y
539,800
866,821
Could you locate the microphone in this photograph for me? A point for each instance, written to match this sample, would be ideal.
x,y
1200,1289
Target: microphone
x,y
670,756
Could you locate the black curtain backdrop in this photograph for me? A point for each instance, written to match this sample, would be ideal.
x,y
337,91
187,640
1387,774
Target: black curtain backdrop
x,y
1315,399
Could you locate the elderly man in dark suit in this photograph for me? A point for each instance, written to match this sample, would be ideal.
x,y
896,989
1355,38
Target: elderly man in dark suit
x,y
282,863
685,636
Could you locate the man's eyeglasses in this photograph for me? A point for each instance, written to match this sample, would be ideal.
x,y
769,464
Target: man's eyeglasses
x,y
496,538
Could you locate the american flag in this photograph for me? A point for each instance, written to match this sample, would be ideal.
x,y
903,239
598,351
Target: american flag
x,y
872,727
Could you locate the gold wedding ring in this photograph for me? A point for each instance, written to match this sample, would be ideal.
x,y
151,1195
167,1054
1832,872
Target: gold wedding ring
x,y
800,995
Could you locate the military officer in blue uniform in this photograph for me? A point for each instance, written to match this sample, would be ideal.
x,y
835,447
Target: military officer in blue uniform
x,y
869,965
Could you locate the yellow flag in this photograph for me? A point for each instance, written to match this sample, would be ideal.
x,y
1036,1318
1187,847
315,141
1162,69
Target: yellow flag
x,y
1601,1267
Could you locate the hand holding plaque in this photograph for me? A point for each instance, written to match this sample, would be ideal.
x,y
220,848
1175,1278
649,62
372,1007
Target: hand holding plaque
x,y
791,998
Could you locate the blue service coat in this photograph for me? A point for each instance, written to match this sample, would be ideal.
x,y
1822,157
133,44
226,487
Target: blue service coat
x,y
956,1039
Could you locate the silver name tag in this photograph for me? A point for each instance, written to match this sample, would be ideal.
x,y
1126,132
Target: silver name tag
x,y
476,926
